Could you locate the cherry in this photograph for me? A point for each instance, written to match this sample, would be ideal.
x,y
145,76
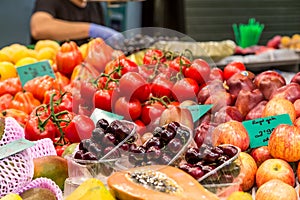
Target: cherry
x,y
165,159
109,139
157,131
153,153
175,145
167,135
102,123
192,155
173,126
154,141
229,150
210,157
185,167
84,144
79,154
196,172
89,156
97,135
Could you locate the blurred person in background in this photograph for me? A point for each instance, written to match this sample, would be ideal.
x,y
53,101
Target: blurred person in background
x,y
63,20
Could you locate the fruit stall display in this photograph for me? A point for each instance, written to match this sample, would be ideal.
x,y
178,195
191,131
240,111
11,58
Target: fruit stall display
x,y
159,148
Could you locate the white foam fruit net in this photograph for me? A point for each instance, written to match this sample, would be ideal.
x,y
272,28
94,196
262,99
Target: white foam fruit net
x,y
47,184
16,170
43,147
12,131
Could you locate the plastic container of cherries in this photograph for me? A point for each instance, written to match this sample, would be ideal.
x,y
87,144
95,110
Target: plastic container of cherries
x,y
96,157
165,147
216,168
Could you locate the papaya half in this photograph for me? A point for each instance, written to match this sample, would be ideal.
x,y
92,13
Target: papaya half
x,y
157,182
52,167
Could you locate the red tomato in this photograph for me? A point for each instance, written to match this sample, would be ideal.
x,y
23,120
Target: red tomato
x,y
185,89
199,70
5,100
123,66
130,109
161,86
103,99
134,86
141,128
233,68
37,128
79,128
68,57
216,74
153,56
60,145
151,112
179,64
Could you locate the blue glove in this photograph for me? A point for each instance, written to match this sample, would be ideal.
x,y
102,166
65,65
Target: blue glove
x,y
102,32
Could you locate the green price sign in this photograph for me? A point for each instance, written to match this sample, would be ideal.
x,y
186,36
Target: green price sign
x,y
198,111
260,129
30,71
102,114
15,147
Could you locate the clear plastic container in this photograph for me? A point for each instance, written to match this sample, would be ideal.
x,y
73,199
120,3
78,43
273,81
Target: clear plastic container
x,y
224,187
80,170
124,164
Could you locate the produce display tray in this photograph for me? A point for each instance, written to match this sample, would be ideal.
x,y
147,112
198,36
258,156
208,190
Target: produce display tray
x,y
285,65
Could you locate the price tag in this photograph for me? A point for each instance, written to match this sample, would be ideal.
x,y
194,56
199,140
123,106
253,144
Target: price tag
x,y
198,111
15,147
29,72
260,129
102,114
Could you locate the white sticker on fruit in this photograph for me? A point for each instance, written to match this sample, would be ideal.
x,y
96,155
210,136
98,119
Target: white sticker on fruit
x,y
15,147
102,114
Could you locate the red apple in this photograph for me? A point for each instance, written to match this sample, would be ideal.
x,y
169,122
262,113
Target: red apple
x,y
231,132
268,82
275,169
256,112
248,171
260,154
276,189
297,107
290,92
298,172
297,122
284,142
246,100
277,106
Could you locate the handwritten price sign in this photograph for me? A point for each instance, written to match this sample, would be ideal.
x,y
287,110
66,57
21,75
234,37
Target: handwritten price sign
x,y
259,130
30,71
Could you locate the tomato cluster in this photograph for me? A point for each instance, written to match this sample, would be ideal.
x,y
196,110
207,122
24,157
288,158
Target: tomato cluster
x,y
142,93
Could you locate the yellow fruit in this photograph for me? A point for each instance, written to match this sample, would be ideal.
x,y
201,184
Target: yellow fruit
x,y
91,189
7,70
5,56
47,43
239,195
26,61
296,37
84,49
11,196
46,53
32,53
285,41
